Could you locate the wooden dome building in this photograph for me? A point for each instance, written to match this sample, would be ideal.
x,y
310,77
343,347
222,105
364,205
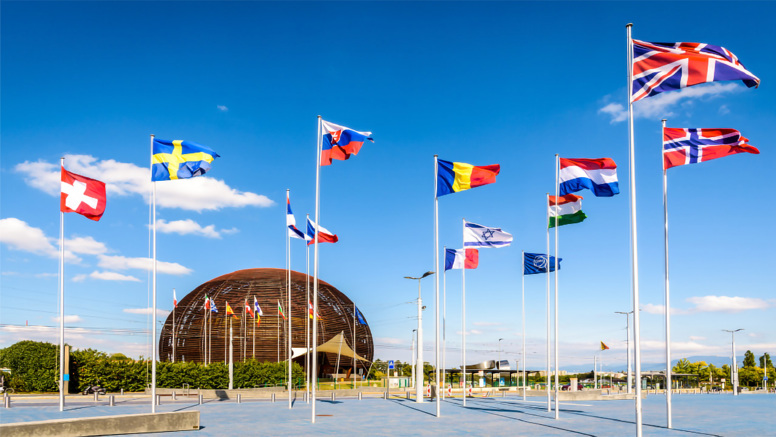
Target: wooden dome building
x,y
202,335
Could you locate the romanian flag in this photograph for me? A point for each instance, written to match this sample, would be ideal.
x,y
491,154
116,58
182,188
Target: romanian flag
x,y
229,311
280,311
568,210
458,176
603,346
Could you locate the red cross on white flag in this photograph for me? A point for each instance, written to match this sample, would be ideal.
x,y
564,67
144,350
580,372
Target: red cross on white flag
x,y
82,195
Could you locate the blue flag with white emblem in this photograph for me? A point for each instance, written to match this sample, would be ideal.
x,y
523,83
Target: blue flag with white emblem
x,y
475,235
537,263
179,159
360,317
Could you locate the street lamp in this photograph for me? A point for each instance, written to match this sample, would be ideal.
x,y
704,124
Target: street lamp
x,y
412,358
734,367
627,344
419,363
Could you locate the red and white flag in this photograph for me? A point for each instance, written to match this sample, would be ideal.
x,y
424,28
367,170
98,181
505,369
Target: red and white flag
x,y
174,299
248,308
83,195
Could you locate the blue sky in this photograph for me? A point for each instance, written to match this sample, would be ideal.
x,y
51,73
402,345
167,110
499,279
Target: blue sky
x,y
511,83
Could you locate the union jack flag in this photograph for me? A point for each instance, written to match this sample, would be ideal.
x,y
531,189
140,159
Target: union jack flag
x,y
659,67
691,146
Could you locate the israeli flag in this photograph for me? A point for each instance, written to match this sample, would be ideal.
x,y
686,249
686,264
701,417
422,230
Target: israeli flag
x,y
475,235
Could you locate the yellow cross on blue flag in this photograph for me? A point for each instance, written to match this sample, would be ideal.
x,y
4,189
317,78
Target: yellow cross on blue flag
x,y
179,159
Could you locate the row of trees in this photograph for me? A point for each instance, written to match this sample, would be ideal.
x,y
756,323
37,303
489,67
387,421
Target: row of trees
x,y
749,375
34,368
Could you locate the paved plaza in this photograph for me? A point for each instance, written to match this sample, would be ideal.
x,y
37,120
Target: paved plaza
x,y
694,415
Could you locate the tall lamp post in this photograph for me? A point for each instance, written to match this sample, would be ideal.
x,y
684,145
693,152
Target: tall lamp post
x,y
419,364
412,358
734,367
627,345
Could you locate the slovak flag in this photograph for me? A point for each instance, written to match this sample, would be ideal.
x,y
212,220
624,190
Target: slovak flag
x,y
339,142
597,175
83,195
324,236
461,259
293,232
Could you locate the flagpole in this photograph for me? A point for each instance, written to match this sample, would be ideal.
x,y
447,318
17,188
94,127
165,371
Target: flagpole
x,y
288,285
173,324
547,267
153,294
557,188
463,313
444,326
633,232
436,286
315,263
231,356
255,320
354,345
61,301
523,307
669,385
307,316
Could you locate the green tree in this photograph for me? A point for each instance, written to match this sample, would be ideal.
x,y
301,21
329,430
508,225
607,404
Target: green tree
x,y
33,366
765,361
749,359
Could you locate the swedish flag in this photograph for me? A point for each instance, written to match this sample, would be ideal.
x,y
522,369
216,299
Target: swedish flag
x,y
179,159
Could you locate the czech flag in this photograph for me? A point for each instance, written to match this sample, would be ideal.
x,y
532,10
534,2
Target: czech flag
x,y
461,259
458,176
597,175
324,236
339,142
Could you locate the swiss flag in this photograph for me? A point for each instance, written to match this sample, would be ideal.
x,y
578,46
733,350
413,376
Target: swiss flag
x,y
82,195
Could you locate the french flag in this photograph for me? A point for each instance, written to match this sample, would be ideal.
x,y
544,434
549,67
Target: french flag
x,y
339,142
597,175
461,259
324,236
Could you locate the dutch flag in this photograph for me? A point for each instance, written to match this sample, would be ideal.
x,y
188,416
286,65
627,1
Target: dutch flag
x,y
597,175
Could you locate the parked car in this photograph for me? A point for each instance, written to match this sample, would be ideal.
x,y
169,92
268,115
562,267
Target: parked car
x,y
567,387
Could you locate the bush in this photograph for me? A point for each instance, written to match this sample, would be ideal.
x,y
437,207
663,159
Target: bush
x,y
33,366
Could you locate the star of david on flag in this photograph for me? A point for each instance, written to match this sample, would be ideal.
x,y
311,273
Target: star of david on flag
x,y
82,195
475,235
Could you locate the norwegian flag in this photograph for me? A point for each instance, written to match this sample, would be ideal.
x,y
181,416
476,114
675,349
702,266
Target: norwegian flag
x,y
691,146
659,67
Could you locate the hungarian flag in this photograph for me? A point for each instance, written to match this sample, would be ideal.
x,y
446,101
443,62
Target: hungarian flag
x,y
280,311
83,195
207,303
248,309
603,346
568,210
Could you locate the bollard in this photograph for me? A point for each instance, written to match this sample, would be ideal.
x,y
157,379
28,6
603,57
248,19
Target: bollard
x,y
96,396
174,397
333,396
385,395
200,399
272,398
359,396
7,403
239,398
111,401
503,394
409,395
122,392
158,399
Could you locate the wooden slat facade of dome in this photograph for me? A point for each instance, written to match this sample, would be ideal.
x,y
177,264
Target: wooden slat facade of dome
x,y
269,287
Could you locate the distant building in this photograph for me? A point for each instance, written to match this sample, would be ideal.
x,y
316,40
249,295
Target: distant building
x,y
268,340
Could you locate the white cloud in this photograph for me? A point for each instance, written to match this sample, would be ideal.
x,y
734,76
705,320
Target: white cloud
x,y
68,319
388,340
85,245
222,108
106,276
159,312
660,105
79,278
18,235
728,304
696,338
724,110
117,262
660,309
124,179
188,226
